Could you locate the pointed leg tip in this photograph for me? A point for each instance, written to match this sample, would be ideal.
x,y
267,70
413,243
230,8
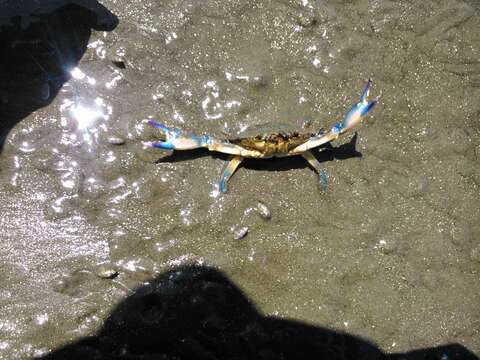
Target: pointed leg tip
x,y
150,122
223,186
157,125
365,92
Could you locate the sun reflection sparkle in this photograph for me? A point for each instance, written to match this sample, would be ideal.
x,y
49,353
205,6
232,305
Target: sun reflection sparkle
x,y
85,116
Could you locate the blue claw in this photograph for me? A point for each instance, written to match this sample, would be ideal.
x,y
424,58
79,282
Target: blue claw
x,y
164,145
201,140
159,126
165,129
359,110
176,139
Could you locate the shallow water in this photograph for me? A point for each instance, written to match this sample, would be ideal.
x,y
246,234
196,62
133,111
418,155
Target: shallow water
x,y
390,253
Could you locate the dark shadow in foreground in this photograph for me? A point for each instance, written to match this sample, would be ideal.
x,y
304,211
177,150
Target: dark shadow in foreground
x,y
40,43
196,312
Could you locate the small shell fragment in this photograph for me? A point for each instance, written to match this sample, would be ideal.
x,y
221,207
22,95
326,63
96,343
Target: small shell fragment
x,y
239,232
105,272
116,140
264,211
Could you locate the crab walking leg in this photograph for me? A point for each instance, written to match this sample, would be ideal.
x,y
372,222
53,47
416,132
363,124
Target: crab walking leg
x,y
322,173
232,149
354,116
228,171
366,91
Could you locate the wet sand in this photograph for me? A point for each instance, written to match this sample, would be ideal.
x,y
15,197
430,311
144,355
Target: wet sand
x,y
390,253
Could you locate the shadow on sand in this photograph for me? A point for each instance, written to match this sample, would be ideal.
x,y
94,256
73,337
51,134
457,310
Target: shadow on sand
x,y
196,312
325,153
40,45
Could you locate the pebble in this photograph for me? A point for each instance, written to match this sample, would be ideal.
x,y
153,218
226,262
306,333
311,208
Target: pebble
x,y
264,211
116,140
388,244
475,254
239,232
260,81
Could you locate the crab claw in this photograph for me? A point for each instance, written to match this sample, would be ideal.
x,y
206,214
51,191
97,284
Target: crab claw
x,y
164,145
353,117
175,139
359,110
163,128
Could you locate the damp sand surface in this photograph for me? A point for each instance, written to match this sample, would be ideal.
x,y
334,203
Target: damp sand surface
x,y
390,252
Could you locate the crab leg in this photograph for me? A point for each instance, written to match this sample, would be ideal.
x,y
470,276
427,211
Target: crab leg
x,y
232,149
354,116
228,171
322,174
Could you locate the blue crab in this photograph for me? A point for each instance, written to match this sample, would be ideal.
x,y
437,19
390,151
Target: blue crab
x,y
269,140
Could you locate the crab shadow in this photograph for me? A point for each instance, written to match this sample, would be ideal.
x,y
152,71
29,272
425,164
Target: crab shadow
x,y
197,312
41,42
323,154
